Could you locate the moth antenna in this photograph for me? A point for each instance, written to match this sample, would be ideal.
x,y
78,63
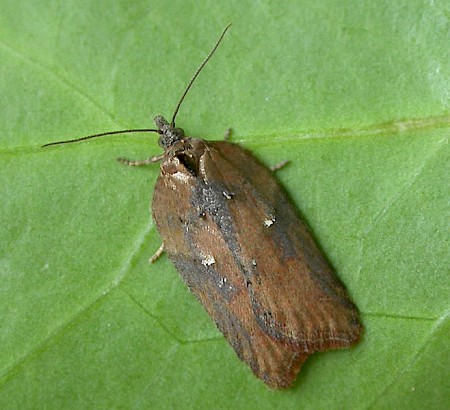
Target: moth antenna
x,y
102,134
197,72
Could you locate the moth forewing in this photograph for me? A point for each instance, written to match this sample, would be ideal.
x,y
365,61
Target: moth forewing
x,y
242,250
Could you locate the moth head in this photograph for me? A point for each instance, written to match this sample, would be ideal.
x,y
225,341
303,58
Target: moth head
x,y
168,133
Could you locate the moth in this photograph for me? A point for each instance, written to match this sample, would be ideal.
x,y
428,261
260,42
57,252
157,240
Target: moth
x,y
243,251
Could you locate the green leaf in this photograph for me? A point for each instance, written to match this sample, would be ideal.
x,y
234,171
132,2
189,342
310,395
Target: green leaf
x,y
355,94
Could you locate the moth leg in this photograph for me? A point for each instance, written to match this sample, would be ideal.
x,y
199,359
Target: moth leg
x,y
147,161
227,134
157,254
278,166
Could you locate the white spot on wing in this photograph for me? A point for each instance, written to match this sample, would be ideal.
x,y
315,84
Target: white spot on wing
x,y
181,176
222,282
208,261
227,195
202,164
269,221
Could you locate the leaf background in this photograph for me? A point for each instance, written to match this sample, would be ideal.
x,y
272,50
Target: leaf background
x,y
355,94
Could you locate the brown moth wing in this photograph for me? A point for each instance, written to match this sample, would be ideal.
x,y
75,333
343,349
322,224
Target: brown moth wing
x,y
210,204
190,236
294,293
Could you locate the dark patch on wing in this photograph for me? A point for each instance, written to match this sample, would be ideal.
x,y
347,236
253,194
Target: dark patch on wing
x,y
209,199
206,278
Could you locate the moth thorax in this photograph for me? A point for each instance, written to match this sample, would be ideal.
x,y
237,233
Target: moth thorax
x,y
168,134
